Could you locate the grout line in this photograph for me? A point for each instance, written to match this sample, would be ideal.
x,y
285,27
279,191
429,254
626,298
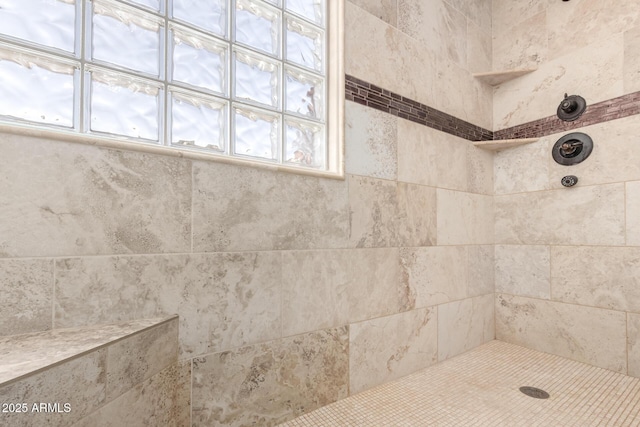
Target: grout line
x,y
626,218
191,392
53,295
193,198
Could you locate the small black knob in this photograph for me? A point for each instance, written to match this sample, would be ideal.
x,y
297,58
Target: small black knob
x,y
568,106
569,180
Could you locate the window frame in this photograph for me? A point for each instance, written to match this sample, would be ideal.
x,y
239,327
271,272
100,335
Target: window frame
x,y
334,117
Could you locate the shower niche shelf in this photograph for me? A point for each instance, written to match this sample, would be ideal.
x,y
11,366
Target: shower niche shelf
x,y
494,78
501,144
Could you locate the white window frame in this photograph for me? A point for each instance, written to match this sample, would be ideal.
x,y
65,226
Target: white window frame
x,y
334,118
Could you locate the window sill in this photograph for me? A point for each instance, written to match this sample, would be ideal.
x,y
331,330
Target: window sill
x,y
126,145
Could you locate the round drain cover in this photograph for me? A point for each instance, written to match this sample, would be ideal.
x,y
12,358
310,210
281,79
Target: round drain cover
x,y
534,392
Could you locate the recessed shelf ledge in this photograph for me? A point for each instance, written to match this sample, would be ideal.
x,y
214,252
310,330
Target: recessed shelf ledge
x,y
494,78
500,144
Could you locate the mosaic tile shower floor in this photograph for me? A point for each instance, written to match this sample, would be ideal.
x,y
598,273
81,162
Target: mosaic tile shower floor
x,y
481,388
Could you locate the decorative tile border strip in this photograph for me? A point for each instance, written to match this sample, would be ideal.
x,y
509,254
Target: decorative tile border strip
x,y
615,108
381,99
364,93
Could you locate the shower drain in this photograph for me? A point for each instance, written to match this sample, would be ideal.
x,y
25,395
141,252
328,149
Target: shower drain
x,y
534,392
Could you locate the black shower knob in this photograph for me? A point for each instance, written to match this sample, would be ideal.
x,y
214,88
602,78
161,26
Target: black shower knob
x,y
571,107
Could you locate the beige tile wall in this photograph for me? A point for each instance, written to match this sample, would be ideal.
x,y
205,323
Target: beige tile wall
x,y
568,259
586,47
282,282
425,52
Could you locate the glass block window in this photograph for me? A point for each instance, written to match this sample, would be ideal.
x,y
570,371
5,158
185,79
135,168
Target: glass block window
x,y
234,78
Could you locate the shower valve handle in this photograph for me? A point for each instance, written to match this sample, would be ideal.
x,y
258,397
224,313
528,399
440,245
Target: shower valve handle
x,y
570,147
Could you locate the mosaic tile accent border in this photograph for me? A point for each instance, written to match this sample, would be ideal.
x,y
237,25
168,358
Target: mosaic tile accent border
x,y
365,93
612,109
381,99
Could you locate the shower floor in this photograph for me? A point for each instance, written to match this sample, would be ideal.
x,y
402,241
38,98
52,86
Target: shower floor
x,y
481,388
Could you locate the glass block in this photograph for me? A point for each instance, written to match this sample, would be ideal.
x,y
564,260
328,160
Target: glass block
x,y
198,122
256,79
37,89
313,10
305,143
305,44
274,2
126,37
198,60
151,4
45,22
210,15
256,133
304,93
258,26
121,105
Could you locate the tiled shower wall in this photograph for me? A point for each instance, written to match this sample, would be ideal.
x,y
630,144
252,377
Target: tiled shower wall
x,y
293,291
568,260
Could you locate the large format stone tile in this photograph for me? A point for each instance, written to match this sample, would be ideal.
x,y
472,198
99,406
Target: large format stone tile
x,y
431,157
594,72
373,207
465,324
323,289
524,168
441,274
633,344
632,60
461,95
269,383
224,300
479,49
397,54
375,288
517,47
615,156
523,270
370,142
158,401
416,215
590,335
71,199
508,13
436,274
606,277
571,216
479,167
386,213
477,11
139,357
464,218
314,290
590,21
242,208
481,270
27,292
79,382
435,20
387,348
387,10
633,212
